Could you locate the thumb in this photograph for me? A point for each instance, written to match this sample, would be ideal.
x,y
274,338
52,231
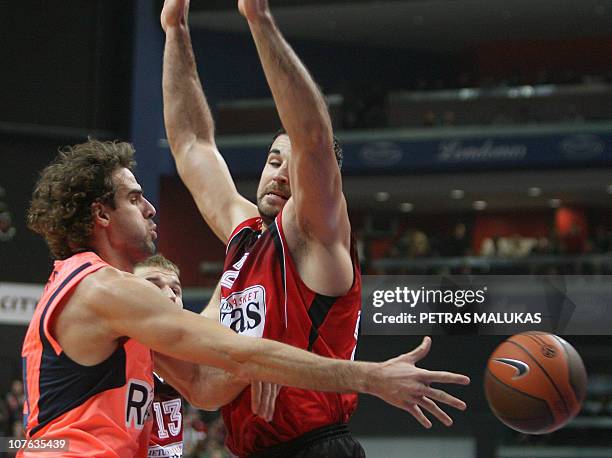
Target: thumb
x,y
421,351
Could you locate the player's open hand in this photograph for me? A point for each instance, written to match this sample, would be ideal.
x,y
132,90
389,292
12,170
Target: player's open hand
x,y
174,13
263,399
253,9
402,384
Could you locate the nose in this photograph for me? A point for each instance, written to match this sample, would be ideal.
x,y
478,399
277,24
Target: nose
x,y
149,210
282,174
170,294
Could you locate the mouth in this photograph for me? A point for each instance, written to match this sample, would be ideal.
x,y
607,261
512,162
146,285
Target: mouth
x,y
153,232
277,195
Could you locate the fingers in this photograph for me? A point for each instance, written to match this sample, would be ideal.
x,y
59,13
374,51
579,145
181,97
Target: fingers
x,y
442,396
267,402
433,408
418,414
271,402
263,399
256,389
445,377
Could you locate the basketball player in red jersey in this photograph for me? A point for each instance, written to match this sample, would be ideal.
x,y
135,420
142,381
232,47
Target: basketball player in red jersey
x,y
88,370
290,272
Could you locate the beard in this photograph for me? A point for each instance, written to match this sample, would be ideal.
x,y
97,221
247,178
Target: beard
x,y
267,212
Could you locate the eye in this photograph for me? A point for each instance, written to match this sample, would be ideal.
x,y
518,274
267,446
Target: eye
x,y
275,163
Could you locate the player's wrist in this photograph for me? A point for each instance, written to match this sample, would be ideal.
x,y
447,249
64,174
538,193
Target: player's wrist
x,y
368,377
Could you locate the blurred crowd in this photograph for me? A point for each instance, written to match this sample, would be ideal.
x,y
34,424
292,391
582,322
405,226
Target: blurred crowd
x,y
368,105
553,251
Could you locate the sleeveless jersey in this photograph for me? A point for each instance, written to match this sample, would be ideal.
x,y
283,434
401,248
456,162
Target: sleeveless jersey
x,y
101,410
262,295
167,435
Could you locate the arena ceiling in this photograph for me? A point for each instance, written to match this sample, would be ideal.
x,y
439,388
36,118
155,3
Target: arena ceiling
x,y
438,25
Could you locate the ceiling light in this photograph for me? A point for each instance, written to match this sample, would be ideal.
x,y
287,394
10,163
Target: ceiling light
x,y
457,194
406,207
382,196
534,191
554,203
479,205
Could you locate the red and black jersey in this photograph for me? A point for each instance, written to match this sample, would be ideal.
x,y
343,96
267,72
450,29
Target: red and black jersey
x,y
262,295
167,434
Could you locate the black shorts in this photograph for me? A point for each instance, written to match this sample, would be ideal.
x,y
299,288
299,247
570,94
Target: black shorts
x,y
334,441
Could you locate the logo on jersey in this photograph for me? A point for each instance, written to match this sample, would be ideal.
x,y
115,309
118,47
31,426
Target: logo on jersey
x,y
245,311
229,276
139,396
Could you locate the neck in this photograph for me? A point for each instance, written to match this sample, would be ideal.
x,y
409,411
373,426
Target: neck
x,y
114,258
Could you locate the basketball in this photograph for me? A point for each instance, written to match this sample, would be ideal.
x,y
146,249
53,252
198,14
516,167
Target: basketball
x,y
535,382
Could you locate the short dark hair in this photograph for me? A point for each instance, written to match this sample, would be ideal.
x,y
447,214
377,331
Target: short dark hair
x,y
60,210
160,261
337,147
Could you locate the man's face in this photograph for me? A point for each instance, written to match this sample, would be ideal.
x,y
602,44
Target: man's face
x,y
274,190
166,280
131,229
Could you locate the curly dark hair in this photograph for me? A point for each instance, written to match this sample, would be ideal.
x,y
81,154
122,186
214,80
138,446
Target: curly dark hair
x,y
337,148
60,210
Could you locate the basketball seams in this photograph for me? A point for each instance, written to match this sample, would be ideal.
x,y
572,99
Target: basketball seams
x,y
569,369
497,379
550,417
554,385
532,335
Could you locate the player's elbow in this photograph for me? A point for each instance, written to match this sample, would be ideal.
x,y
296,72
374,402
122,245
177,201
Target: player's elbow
x,y
203,402
316,138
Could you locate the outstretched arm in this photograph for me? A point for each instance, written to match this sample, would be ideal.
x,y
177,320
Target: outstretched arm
x,y
314,174
204,387
128,306
190,129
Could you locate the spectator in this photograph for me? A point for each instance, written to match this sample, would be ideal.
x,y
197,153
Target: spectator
x,y
4,419
449,118
574,241
457,244
429,119
601,241
14,402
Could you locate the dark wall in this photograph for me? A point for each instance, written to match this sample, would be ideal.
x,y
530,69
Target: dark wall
x,y
67,63
25,257
230,69
66,74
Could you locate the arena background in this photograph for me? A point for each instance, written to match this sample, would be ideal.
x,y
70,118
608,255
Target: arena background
x,y
477,134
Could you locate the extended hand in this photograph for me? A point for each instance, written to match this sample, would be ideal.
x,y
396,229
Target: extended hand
x,y
253,9
174,13
263,399
406,386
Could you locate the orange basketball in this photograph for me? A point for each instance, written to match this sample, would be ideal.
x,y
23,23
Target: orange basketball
x,y
535,382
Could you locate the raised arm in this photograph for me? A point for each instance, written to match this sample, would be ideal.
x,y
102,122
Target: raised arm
x,y
190,129
314,175
129,306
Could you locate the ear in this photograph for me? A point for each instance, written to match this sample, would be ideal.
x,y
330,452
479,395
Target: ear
x,y
101,214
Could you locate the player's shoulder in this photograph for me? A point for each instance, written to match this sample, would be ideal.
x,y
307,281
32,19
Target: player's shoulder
x,y
104,282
